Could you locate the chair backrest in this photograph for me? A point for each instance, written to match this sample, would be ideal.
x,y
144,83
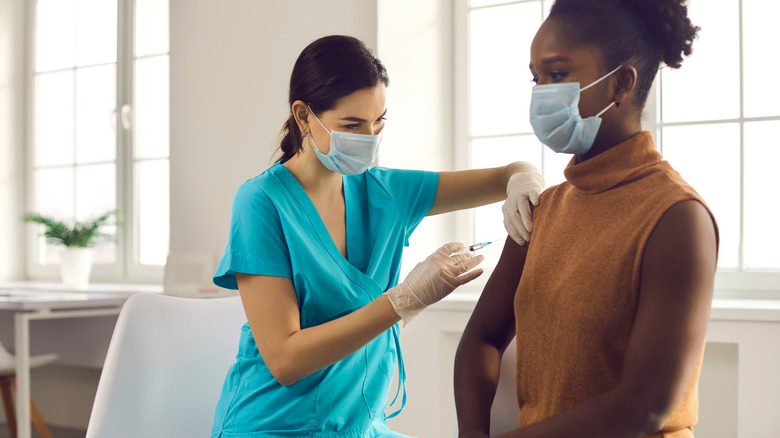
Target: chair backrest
x,y
165,367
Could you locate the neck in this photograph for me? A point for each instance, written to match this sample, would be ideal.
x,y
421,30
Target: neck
x,y
607,139
316,179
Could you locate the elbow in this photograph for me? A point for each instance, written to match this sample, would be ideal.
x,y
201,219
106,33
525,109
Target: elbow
x,y
284,372
649,413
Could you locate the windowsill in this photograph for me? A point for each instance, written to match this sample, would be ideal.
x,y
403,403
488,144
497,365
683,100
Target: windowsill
x,y
53,286
723,308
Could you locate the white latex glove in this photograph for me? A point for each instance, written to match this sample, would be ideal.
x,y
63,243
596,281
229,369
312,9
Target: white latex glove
x,y
433,279
522,190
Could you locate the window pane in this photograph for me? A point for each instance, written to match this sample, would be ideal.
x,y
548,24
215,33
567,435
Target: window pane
x,y
54,118
95,114
707,157
55,197
494,152
478,3
707,85
759,32
96,194
96,31
762,211
152,207
151,27
54,34
151,107
500,79
554,164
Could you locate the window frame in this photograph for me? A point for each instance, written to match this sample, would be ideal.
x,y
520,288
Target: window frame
x,y
729,283
126,268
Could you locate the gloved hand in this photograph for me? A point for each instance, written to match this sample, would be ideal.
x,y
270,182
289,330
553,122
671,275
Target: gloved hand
x,y
433,279
522,188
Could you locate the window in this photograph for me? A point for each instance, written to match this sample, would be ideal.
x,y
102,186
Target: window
x,y
714,120
99,128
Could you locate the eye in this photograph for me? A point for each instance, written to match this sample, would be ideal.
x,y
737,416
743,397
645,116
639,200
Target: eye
x,y
352,126
558,75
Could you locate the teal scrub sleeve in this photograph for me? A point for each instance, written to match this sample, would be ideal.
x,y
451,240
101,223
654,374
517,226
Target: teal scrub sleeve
x,y
414,191
256,244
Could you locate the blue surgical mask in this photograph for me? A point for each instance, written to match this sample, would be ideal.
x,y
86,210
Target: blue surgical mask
x,y
556,120
350,153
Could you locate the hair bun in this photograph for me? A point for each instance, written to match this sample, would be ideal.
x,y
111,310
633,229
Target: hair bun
x,y
667,26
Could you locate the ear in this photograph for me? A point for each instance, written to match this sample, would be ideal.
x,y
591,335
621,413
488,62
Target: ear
x,y
301,113
625,84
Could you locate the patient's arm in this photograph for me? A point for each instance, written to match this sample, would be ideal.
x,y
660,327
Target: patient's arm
x,y
488,332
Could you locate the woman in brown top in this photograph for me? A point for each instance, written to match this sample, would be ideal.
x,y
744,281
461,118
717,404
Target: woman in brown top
x,y
610,300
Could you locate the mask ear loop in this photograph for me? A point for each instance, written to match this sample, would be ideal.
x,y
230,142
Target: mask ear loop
x,y
323,127
598,80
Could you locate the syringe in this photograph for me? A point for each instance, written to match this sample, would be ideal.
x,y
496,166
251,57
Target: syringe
x,y
473,247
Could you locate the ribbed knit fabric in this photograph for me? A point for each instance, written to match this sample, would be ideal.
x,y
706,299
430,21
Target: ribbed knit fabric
x,y
577,299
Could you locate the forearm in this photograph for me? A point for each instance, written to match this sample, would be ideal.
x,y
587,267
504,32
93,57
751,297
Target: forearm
x,y
473,188
312,349
615,414
477,367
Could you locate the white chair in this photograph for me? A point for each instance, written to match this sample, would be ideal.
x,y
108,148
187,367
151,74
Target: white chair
x,y
165,366
8,384
503,414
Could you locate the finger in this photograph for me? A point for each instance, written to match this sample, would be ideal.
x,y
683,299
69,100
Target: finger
x,y
457,259
468,276
451,247
514,235
533,196
527,216
517,224
467,265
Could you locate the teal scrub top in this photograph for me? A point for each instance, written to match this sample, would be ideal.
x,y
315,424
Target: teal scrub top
x,y
275,230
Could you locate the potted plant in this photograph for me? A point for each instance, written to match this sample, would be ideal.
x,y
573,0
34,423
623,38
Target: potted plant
x,y
78,239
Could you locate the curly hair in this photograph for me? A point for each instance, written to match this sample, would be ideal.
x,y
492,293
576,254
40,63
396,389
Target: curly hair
x,y
643,33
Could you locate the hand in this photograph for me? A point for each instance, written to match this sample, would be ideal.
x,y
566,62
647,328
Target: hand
x,y
522,190
433,279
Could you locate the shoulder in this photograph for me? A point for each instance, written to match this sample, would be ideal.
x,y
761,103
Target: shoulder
x,y
685,234
257,191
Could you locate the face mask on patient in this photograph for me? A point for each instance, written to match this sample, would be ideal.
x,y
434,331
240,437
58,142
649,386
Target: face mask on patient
x,y
350,153
556,120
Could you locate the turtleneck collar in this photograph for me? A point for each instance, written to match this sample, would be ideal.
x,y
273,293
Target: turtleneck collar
x,y
613,166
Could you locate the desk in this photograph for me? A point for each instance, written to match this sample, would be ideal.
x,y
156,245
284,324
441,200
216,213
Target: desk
x,y
30,301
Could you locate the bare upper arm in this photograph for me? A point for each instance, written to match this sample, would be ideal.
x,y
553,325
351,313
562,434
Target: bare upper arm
x,y
271,307
678,269
493,319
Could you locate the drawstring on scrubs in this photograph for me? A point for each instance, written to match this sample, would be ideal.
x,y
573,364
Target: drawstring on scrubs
x,y
401,373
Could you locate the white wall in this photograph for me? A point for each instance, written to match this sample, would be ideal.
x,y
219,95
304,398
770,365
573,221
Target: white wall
x,y
12,110
230,70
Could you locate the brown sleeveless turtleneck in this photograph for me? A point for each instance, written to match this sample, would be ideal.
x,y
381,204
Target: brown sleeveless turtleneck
x,y
577,299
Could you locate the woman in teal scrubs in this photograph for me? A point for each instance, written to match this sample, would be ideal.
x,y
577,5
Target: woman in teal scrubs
x,y
315,251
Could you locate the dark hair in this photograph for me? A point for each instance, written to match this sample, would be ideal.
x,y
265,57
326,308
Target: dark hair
x,y
328,69
641,32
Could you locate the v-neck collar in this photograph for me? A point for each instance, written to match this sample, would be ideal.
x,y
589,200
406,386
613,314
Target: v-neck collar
x,y
315,220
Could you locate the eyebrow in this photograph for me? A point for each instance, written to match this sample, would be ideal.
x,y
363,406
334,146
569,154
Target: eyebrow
x,y
358,119
552,59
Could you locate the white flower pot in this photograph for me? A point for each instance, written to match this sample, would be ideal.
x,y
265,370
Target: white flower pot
x,y
75,267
